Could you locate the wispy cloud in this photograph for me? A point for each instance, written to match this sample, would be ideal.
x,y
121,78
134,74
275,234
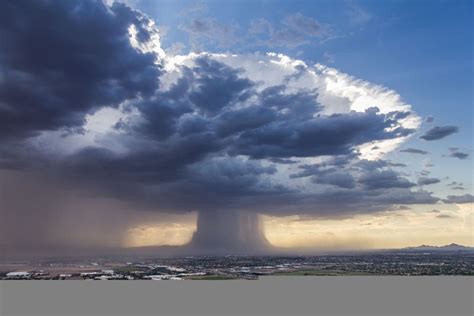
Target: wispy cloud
x,y
294,30
358,16
429,119
210,30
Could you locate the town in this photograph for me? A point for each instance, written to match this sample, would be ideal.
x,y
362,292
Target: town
x,y
239,267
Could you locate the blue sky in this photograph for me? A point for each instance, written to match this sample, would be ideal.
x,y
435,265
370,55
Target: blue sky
x,y
421,49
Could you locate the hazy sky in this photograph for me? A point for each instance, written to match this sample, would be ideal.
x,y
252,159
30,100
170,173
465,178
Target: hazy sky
x,y
343,124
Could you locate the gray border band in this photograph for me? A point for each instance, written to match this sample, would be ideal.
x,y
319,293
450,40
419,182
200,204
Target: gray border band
x,y
288,296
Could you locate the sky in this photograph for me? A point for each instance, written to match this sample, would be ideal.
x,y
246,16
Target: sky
x,y
319,125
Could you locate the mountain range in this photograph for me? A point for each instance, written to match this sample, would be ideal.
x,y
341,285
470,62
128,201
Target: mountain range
x,y
450,247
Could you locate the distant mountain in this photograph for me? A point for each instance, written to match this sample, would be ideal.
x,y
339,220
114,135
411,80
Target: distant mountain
x,y
450,247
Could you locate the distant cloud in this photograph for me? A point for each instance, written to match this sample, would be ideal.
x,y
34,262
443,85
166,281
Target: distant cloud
x,y
456,185
425,172
429,164
429,119
414,151
193,8
339,179
428,181
210,30
457,153
439,132
396,164
328,57
358,16
294,30
401,208
444,216
176,48
459,199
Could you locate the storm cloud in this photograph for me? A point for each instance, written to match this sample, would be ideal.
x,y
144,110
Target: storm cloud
x,y
60,61
384,180
88,98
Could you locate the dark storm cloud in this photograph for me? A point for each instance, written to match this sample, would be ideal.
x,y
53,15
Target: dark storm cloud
x,y
343,202
384,179
60,60
224,178
213,98
220,182
205,91
334,164
217,86
414,151
283,161
428,181
367,179
339,179
322,174
298,105
235,121
145,166
310,170
439,132
184,153
459,199
336,134
208,138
